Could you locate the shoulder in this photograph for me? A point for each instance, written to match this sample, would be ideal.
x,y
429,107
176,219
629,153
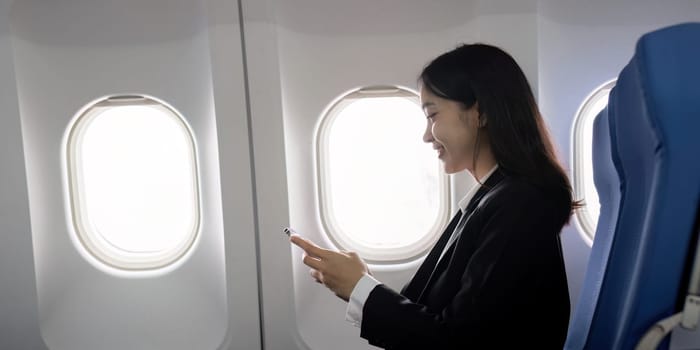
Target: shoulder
x,y
515,191
518,203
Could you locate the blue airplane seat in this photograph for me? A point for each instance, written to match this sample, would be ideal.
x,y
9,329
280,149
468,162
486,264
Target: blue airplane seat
x,y
654,123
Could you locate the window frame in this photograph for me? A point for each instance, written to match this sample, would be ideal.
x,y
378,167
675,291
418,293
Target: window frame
x,y
332,230
584,219
87,240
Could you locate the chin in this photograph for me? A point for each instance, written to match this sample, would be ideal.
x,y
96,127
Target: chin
x,y
451,168
448,169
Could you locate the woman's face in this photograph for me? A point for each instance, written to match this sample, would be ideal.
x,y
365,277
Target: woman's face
x,y
451,129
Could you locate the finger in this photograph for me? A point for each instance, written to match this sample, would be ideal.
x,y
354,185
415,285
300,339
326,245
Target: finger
x,y
317,276
313,262
309,247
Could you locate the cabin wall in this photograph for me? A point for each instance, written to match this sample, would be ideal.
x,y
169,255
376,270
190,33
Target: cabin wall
x,y
269,170
238,184
64,55
19,327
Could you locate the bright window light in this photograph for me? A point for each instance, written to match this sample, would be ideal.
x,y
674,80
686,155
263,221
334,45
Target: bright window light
x,y
133,183
382,192
584,187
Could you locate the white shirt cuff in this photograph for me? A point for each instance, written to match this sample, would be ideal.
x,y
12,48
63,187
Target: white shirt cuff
x,y
358,297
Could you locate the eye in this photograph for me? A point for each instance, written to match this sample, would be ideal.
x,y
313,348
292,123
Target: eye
x,y
431,115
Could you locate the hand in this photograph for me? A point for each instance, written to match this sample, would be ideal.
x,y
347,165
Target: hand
x,y
338,271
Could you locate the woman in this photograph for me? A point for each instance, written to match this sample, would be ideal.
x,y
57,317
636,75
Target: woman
x,y
495,279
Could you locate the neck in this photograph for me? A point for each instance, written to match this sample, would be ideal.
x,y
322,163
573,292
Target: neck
x,y
484,163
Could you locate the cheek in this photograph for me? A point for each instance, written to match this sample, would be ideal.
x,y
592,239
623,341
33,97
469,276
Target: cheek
x,y
462,142
438,132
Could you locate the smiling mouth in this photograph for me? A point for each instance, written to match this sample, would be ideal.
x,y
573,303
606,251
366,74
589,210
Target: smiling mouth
x,y
440,151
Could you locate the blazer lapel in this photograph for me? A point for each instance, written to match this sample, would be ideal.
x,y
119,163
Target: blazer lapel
x,y
415,286
437,267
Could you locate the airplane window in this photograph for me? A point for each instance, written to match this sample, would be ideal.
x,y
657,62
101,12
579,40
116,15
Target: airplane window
x,y
382,193
133,186
584,188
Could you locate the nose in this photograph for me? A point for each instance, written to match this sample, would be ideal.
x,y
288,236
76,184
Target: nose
x,y
428,134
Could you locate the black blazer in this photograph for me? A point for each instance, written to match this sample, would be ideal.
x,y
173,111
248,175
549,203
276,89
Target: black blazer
x,y
501,285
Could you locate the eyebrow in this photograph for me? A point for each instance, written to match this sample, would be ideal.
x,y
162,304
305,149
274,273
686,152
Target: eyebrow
x,y
428,104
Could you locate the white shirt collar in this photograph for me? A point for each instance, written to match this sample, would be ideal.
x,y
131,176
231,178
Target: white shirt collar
x,y
468,197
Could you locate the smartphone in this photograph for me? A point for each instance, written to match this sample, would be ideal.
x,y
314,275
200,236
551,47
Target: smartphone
x,y
289,231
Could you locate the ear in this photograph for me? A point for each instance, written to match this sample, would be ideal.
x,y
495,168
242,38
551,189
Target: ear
x,y
482,117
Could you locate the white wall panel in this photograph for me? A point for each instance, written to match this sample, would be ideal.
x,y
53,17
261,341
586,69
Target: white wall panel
x,y
19,318
68,53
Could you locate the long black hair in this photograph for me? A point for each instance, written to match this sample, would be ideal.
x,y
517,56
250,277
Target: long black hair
x,y
519,140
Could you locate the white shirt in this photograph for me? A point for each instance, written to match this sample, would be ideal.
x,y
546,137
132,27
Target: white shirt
x,y
367,283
